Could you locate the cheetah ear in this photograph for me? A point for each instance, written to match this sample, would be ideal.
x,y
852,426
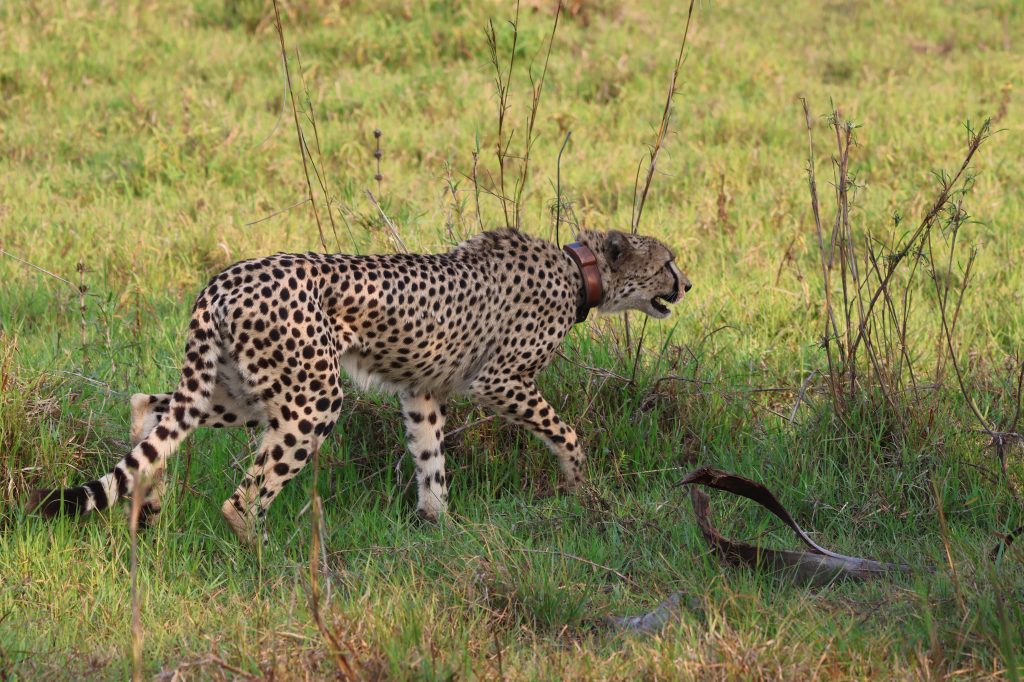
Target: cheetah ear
x,y
616,248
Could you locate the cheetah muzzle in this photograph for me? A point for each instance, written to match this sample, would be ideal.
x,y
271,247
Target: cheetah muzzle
x,y
660,302
269,338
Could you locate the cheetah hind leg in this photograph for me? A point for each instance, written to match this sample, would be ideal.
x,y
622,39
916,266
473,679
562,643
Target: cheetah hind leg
x,y
298,420
282,454
146,411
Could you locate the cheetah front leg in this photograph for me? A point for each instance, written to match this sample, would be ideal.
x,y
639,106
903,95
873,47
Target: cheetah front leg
x,y
519,402
424,426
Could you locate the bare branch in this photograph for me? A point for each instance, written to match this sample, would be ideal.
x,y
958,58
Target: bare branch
x,y
666,117
298,127
396,238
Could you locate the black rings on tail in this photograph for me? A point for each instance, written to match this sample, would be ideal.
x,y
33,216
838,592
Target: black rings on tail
x,y
81,500
69,501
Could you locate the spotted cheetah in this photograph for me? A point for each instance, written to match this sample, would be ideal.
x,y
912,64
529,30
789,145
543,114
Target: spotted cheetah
x,y
268,338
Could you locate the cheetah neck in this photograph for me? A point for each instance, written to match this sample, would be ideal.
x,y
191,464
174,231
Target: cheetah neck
x,y
591,290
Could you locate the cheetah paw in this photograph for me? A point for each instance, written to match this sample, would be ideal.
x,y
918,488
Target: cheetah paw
x,y
426,515
241,526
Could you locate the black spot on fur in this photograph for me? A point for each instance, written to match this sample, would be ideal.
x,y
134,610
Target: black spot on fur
x,y
148,450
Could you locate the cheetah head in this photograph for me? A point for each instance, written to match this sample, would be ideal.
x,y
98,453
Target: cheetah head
x,y
638,273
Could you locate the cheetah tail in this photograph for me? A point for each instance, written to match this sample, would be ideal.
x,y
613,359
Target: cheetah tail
x,y
99,494
148,457
71,501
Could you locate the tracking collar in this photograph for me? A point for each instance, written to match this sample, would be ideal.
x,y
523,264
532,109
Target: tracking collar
x,y
593,292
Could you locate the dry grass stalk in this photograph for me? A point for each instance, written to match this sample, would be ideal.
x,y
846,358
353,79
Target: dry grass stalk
x,y
640,194
476,189
914,245
315,544
298,128
81,310
396,238
1001,439
536,87
944,535
855,320
512,204
503,83
558,187
659,139
316,540
455,208
318,172
872,313
572,557
276,213
378,155
40,269
133,528
832,330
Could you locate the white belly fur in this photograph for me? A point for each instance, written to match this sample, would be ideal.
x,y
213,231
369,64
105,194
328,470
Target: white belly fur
x,y
360,375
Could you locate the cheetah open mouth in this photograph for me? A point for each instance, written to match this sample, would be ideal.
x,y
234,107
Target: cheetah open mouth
x,y
661,301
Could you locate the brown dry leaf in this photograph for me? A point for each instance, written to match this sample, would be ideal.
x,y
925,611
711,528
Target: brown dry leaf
x,y
817,567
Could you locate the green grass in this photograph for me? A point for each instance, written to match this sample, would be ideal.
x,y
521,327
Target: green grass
x,y
143,141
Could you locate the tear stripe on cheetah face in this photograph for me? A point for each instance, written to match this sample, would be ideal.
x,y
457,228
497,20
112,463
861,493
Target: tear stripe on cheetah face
x,y
269,337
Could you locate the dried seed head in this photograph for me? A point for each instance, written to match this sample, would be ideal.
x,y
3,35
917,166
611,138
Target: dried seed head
x,y
377,154
378,177
377,133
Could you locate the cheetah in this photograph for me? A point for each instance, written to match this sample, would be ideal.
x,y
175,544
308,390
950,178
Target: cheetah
x,y
269,337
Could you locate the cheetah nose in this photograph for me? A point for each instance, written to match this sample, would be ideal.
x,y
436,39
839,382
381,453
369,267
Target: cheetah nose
x,y
686,283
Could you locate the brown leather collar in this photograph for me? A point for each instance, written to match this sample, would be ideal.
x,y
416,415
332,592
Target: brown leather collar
x,y
593,292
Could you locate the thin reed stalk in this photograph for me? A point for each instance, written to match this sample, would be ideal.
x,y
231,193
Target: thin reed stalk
x,y
303,152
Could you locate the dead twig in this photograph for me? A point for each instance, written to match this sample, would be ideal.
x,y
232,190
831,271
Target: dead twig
x,y
659,139
210,659
36,267
298,127
277,213
340,660
573,557
537,88
800,396
138,494
396,238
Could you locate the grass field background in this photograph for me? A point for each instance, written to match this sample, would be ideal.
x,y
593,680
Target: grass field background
x,y
151,143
